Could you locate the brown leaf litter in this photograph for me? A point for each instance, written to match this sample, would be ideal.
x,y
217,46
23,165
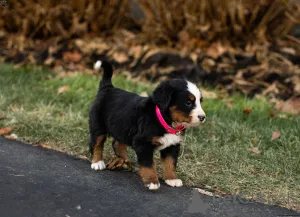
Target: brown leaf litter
x,y
290,106
4,131
257,69
70,37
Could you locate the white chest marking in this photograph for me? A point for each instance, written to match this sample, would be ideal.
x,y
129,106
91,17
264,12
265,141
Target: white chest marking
x,y
168,140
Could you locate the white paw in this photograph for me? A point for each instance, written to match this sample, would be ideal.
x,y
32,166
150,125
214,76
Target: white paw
x,y
100,165
153,186
174,182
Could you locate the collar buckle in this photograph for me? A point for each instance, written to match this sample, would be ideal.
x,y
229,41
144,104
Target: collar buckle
x,y
178,133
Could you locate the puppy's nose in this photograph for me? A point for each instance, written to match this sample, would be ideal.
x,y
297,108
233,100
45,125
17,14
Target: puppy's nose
x,y
201,117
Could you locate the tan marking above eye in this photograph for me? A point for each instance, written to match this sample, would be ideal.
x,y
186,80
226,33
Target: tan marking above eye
x,y
192,97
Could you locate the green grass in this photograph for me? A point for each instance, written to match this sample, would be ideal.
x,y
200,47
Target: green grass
x,y
217,154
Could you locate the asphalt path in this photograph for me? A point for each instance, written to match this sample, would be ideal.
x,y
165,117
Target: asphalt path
x,y
41,182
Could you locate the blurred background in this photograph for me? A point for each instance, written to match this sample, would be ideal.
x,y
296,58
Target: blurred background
x,y
247,46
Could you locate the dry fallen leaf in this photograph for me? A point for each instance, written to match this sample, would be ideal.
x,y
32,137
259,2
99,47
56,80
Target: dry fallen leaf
x,y
247,111
120,57
11,136
290,106
276,135
184,36
45,146
14,108
271,89
283,116
215,50
144,94
272,114
229,104
66,74
288,50
63,89
296,80
255,150
83,156
209,94
49,147
201,191
49,61
4,131
72,56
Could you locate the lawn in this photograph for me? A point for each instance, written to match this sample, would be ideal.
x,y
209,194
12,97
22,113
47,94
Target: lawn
x,y
233,152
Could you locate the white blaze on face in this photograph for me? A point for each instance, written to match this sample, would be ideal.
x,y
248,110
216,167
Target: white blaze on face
x,y
197,111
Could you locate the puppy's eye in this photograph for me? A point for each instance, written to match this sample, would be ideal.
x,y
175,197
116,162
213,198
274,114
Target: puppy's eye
x,y
189,103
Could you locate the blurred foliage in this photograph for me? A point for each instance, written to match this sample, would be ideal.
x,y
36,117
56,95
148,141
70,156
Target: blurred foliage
x,y
64,18
165,21
209,20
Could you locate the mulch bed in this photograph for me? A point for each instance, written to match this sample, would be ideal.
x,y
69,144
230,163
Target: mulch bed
x,y
269,69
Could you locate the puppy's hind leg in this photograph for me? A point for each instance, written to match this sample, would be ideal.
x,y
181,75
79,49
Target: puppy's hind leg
x,y
121,160
96,146
97,137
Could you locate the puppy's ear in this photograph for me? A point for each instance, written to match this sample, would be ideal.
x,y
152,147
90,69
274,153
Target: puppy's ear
x,y
162,95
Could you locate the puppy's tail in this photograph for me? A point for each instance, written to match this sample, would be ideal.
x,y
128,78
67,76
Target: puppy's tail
x,y
107,74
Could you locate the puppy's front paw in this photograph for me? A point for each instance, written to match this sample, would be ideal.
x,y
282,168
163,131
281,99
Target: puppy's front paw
x,y
174,182
153,186
100,165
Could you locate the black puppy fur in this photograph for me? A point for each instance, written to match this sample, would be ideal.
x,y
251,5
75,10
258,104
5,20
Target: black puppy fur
x,y
131,119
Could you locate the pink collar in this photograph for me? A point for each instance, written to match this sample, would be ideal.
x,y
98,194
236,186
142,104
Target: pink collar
x,y
168,128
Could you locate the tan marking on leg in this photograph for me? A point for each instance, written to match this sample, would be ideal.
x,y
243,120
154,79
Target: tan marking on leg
x,y
191,97
148,174
169,168
98,149
179,116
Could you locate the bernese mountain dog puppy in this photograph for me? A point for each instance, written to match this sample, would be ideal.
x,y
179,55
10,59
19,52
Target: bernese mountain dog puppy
x,y
147,124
